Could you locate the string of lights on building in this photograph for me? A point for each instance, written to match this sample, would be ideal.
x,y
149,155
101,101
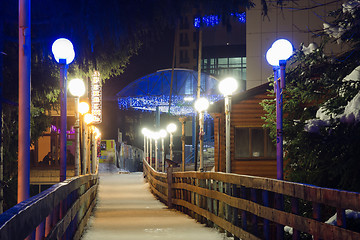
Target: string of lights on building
x,y
178,107
213,20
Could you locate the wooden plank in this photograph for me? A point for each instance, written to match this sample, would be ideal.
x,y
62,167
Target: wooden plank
x,y
217,220
300,223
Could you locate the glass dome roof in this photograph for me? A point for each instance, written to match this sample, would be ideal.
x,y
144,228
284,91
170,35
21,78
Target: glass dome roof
x,y
153,90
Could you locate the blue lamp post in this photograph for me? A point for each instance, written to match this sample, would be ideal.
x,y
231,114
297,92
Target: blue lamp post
x,y
64,54
276,56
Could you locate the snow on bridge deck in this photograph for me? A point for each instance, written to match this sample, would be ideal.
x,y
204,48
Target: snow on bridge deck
x,y
127,210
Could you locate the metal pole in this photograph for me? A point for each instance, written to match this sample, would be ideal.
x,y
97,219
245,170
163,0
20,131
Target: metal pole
x,y
163,155
156,154
93,152
24,101
63,116
171,147
227,116
201,137
144,153
280,85
150,156
147,149
183,138
83,145
77,137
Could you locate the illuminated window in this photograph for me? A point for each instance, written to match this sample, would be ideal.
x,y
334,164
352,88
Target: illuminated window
x,y
236,67
253,143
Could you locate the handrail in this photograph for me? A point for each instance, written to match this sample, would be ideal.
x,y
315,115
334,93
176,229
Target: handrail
x,y
54,212
247,206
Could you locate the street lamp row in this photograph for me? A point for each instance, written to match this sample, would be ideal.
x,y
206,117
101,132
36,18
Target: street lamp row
x,y
64,54
151,135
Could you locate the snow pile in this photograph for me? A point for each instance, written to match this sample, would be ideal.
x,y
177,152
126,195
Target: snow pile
x,y
350,7
309,49
350,214
334,31
313,125
351,113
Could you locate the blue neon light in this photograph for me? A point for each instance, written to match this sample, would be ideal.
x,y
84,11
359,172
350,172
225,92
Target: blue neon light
x,y
213,20
149,103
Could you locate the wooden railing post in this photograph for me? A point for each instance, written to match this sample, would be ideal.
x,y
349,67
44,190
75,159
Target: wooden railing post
x,y
235,220
279,202
265,195
316,215
243,213
295,210
169,181
40,231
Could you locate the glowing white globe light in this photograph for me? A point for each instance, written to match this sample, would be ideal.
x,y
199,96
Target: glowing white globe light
x,y
162,133
201,104
171,128
155,135
88,118
281,49
144,131
228,86
83,107
77,87
62,48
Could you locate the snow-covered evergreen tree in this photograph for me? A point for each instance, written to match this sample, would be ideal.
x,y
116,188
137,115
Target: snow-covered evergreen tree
x,y
322,107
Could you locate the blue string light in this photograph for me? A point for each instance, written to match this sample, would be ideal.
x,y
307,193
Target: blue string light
x,y
149,103
213,20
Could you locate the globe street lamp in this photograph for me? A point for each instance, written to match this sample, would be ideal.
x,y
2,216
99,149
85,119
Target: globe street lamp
x,y
83,109
227,87
276,56
77,89
201,105
171,128
64,54
162,134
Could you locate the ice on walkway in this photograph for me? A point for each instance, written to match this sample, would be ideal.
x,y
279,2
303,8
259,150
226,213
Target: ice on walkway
x,y
127,210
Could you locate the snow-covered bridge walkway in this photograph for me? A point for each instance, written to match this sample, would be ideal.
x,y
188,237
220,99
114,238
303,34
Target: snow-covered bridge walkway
x,y
127,210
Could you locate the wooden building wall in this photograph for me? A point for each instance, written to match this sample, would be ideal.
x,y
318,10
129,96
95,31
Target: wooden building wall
x,y
246,112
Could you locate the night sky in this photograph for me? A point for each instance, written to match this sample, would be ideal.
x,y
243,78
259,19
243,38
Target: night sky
x,y
152,57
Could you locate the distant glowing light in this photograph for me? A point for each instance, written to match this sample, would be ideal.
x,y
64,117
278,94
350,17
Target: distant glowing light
x,y
188,99
241,17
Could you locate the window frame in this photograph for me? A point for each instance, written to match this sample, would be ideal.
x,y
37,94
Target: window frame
x,y
266,155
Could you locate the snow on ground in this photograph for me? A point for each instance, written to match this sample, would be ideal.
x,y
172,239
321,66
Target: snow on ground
x,y
110,168
127,210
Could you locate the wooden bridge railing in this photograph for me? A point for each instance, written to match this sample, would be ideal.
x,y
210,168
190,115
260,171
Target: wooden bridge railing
x,y
247,207
60,212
